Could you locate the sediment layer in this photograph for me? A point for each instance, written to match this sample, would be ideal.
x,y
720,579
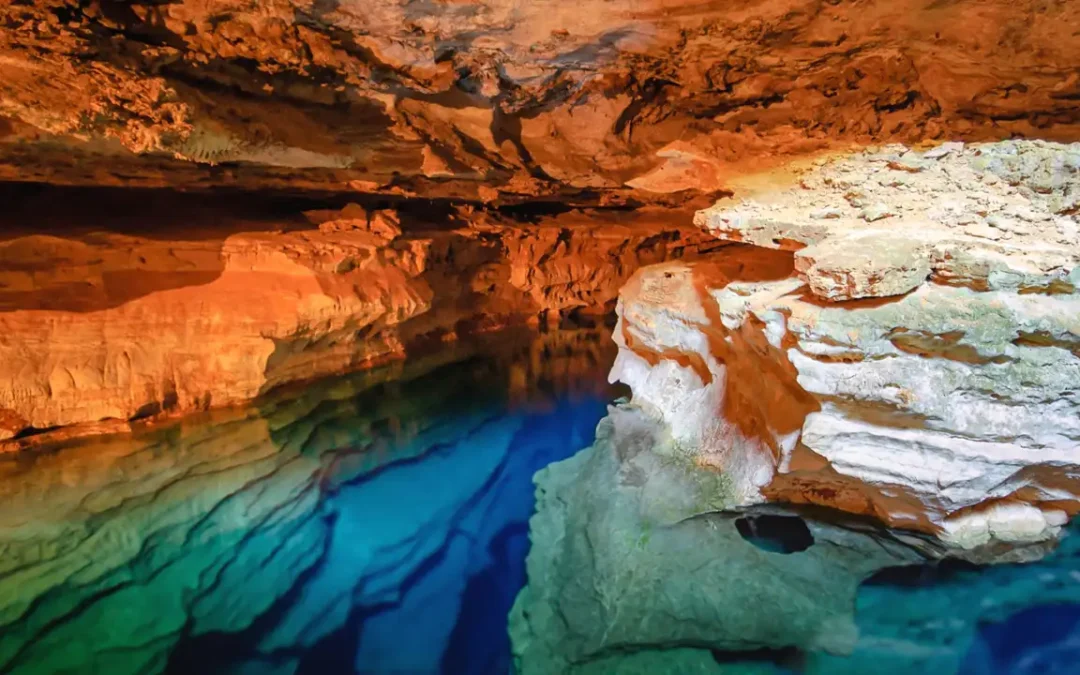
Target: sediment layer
x,y
110,325
920,364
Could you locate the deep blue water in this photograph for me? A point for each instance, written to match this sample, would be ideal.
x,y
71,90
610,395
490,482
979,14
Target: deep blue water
x,y
1043,640
362,526
378,524
427,591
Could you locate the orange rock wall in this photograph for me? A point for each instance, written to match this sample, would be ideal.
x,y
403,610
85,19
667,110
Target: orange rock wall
x,y
105,325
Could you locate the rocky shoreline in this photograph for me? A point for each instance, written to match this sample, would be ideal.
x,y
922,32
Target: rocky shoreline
x,y
913,376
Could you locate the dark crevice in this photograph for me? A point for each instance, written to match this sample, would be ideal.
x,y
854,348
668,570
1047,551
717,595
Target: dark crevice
x,y
785,657
649,93
28,432
531,212
505,127
776,534
210,214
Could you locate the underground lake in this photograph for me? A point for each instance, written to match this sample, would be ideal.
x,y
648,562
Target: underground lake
x,y
379,523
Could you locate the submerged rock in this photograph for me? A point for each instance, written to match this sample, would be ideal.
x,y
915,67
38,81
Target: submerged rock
x,y
942,618
630,555
389,506
632,571
619,582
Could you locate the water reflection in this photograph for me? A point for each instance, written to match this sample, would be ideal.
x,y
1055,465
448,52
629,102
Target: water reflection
x,y
370,524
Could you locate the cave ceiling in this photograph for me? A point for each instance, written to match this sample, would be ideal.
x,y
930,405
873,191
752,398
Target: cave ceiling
x,y
592,102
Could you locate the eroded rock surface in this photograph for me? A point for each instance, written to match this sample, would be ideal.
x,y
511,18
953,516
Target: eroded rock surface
x,y
504,99
111,325
946,400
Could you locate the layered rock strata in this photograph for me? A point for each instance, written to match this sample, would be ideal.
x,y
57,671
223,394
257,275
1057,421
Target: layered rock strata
x,y
919,361
116,326
632,570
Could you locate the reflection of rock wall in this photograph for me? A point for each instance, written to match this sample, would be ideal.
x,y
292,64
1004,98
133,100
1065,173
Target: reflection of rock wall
x,y
256,532
117,326
922,366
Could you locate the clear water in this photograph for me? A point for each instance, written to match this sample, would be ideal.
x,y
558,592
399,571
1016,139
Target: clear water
x,y
378,523
373,524
1006,619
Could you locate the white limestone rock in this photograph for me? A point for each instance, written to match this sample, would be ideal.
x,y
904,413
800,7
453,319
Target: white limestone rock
x,y
1011,206
869,264
949,403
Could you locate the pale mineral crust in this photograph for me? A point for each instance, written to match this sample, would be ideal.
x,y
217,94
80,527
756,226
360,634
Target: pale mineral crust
x,y
926,373
877,224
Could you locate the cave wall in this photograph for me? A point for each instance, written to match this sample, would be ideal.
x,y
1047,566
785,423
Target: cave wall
x,y
139,315
505,99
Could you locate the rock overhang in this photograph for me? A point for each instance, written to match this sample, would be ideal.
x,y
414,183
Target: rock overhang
x,y
929,391
507,99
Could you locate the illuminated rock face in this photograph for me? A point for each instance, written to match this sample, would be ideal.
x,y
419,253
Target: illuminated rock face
x,y
505,99
925,371
111,326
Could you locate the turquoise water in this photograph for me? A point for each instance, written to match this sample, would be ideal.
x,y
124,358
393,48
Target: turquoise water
x,y
1015,619
378,523
374,524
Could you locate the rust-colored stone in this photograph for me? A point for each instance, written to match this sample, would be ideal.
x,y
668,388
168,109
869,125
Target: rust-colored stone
x,y
537,98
